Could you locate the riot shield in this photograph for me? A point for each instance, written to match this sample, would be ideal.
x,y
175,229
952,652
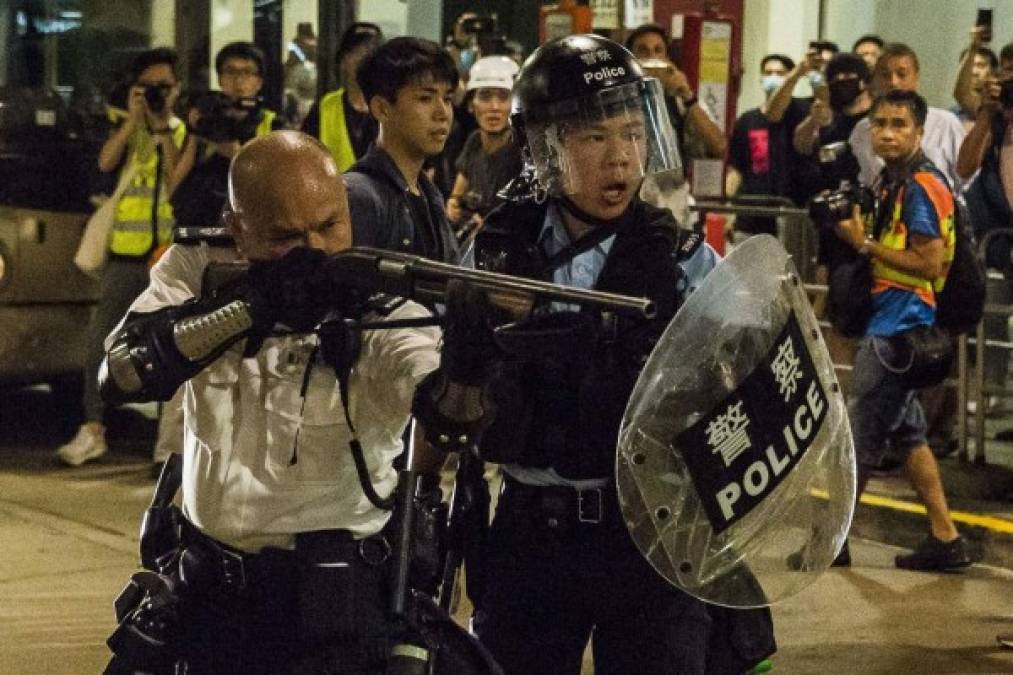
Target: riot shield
x,y
735,464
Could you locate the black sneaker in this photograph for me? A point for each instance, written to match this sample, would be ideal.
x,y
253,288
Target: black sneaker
x,y
933,555
843,559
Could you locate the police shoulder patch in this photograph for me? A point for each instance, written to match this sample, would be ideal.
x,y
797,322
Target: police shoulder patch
x,y
688,243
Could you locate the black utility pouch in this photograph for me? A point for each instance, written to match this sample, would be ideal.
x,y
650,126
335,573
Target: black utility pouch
x,y
924,355
328,573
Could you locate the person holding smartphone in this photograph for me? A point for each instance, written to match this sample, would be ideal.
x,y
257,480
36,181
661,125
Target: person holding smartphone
x,y
699,137
977,63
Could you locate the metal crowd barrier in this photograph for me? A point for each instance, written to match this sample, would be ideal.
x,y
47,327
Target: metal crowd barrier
x,y
795,230
800,238
982,391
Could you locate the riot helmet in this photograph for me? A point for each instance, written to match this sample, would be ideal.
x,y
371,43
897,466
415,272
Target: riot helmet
x,y
584,110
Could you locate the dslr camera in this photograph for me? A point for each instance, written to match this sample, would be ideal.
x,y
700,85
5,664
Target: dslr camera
x,y
833,205
155,95
483,31
226,119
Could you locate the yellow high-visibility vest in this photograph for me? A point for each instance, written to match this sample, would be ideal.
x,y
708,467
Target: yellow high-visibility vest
x,y
132,230
264,128
334,129
895,236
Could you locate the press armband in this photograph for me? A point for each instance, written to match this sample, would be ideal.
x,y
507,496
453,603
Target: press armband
x,y
153,354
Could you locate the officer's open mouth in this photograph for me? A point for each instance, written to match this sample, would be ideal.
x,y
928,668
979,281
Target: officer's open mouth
x,y
615,192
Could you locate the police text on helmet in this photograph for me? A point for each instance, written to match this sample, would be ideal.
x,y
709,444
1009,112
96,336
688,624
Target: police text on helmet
x,y
604,73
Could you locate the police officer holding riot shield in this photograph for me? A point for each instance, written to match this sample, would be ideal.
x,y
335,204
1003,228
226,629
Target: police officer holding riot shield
x,y
561,566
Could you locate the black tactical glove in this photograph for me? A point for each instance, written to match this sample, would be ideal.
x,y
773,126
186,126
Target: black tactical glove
x,y
454,403
291,290
470,354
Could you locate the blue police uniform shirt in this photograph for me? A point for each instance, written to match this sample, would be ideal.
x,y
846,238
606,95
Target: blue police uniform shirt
x,y
582,271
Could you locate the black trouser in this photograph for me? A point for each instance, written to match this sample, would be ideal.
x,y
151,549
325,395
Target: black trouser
x,y
280,611
552,587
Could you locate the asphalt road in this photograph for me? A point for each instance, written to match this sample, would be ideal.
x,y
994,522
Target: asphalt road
x,y
69,545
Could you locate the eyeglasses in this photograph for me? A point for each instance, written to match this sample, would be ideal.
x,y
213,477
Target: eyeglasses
x,y
240,73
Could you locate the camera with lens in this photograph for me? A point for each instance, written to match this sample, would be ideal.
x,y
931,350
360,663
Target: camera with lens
x,y
832,206
223,118
482,30
1006,94
839,166
156,95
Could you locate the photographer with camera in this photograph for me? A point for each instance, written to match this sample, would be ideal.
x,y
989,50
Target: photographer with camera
x,y
219,123
699,137
144,148
285,555
910,242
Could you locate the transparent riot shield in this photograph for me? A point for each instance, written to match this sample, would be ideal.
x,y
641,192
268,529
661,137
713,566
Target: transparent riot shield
x,y
735,464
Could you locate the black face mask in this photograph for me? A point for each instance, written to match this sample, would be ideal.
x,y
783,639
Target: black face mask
x,y
844,92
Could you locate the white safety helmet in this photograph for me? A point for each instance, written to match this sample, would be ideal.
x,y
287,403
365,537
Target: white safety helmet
x,y
493,72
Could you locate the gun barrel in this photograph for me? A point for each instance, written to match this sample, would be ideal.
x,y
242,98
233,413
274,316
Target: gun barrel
x,y
417,278
413,276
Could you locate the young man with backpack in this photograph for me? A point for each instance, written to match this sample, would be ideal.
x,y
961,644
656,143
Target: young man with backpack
x,y
408,84
911,247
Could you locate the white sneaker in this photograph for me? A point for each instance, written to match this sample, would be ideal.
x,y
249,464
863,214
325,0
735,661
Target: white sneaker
x,y
86,446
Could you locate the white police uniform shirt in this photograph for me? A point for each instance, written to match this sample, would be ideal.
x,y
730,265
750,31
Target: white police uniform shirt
x,y
261,461
582,271
943,135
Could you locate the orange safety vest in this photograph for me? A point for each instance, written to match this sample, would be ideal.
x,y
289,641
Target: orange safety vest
x,y
895,236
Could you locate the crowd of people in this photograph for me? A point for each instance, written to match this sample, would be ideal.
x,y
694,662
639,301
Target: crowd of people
x,y
473,159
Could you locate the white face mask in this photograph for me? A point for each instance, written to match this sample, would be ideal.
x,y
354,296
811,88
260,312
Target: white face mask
x,y
771,83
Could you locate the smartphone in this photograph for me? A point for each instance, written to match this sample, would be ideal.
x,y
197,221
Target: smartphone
x,y
985,21
655,65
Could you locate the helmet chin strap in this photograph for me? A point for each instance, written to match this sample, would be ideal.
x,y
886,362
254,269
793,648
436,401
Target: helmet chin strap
x,y
595,221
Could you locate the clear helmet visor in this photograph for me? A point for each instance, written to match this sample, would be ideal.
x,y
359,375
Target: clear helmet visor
x,y
610,141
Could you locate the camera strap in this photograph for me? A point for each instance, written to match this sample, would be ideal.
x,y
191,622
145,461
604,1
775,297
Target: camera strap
x,y
886,207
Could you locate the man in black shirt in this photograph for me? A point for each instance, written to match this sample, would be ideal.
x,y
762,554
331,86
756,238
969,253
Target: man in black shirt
x,y
408,83
760,155
832,121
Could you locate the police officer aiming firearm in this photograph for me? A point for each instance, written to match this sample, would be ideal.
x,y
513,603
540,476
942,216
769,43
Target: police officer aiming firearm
x,y
284,560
